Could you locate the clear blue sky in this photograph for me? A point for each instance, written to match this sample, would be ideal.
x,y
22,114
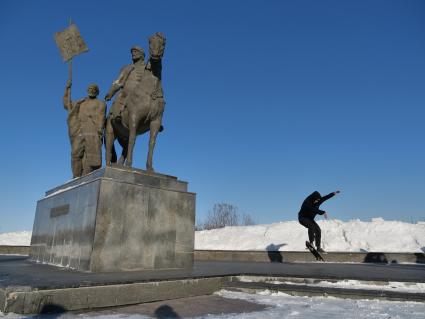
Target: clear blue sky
x,y
267,101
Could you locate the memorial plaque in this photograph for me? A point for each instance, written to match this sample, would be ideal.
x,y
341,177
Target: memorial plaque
x,y
59,210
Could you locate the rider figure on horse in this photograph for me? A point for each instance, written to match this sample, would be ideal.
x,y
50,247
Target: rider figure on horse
x,y
139,105
128,78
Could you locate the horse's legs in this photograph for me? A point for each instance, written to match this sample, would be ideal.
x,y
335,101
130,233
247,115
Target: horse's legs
x,y
154,129
132,127
124,144
109,143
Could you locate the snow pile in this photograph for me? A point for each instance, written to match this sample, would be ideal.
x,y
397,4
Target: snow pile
x,y
20,238
375,236
356,236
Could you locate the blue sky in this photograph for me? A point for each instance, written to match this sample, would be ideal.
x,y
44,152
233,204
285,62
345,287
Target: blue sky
x,y
267,101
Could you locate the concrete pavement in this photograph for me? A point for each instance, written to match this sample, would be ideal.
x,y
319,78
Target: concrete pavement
x,y
26,287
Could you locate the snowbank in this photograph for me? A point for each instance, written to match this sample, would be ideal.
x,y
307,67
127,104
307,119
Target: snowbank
x,y
377,235
20,238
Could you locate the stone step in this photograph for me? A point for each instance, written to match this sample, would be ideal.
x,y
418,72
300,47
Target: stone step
x,y
275,256
308,290
305,256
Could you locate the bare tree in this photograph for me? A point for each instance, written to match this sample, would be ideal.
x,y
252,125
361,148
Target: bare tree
x,y
222,214
247,220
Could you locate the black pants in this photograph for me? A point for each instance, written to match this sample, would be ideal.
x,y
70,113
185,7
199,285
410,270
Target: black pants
x,y
314,232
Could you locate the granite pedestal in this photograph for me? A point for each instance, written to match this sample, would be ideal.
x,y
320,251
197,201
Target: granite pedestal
x,y
116,219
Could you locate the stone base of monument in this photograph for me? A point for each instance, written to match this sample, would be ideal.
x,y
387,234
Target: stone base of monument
x,y
116,219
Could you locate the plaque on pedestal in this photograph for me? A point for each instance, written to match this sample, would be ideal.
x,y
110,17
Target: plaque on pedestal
x,y
116,219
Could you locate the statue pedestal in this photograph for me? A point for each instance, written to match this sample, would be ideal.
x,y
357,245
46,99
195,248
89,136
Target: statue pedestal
x,y
116,219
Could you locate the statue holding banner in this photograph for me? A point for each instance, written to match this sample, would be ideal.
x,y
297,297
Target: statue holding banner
x,y
86,117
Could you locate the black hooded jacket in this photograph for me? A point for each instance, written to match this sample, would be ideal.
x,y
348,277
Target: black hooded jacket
x,y
309,209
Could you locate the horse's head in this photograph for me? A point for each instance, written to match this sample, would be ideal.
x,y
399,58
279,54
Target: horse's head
x,y
156,46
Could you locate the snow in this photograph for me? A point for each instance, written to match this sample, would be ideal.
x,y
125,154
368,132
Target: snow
x,y
407,287
65,189
356,235
20,238
377,235
285,306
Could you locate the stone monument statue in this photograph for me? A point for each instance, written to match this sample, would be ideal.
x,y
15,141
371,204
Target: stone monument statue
x,y
139,105
118,218
86,119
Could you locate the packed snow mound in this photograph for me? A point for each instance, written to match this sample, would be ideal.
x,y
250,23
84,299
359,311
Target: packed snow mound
x,y
20,238
377,235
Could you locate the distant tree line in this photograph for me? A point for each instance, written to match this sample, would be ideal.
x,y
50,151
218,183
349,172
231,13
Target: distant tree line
x,y
224,214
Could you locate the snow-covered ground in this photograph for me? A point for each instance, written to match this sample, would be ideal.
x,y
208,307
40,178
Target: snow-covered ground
x,y
377,235
285,306
281,305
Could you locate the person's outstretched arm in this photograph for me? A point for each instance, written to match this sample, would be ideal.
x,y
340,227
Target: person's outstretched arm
x,y
330,195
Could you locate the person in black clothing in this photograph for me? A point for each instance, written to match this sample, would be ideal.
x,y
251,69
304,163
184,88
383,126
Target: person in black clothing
x,y
309,210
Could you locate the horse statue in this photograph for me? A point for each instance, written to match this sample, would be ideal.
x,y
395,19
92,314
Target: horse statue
x,y
139,106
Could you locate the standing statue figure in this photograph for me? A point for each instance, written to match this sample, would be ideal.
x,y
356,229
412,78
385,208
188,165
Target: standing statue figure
x,y
139,105
86,119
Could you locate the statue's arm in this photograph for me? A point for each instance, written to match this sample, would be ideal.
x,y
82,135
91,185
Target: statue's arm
x,y
118,84
114,89
67,103
101,117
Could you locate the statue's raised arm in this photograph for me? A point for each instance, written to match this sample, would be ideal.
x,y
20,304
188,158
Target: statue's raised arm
x,y
67,103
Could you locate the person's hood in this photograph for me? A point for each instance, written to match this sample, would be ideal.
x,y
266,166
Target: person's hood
x,y
315,195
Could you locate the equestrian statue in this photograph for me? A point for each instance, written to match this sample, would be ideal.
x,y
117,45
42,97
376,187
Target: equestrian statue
x,y
139,104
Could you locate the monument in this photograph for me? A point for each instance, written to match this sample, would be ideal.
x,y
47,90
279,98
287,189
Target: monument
x,y
115,218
